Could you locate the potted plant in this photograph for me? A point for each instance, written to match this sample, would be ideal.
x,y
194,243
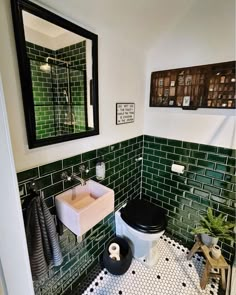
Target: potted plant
x,y
212,228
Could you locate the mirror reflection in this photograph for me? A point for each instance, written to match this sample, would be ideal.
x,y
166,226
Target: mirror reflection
x,y
61,73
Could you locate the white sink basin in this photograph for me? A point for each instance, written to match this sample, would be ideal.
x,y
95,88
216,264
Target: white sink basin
x,y
81,207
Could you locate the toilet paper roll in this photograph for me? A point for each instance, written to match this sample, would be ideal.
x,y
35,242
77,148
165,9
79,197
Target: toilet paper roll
x,y
177,168
114,248
115,257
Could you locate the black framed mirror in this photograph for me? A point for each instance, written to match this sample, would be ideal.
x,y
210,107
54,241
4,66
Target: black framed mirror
x,y
58,65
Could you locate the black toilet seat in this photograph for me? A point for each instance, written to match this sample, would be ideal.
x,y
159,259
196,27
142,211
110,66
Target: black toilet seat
x,y
144,216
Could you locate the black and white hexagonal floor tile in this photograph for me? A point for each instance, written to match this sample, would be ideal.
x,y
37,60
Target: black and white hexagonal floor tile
x,y
172,275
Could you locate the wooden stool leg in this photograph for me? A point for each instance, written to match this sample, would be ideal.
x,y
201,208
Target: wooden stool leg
x,y
196,246
205,275
223,281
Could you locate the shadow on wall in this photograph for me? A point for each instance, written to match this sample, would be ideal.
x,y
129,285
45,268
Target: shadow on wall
x,y
223,127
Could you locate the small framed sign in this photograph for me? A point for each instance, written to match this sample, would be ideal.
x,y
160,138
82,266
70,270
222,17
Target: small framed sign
x,y
186,101
125,113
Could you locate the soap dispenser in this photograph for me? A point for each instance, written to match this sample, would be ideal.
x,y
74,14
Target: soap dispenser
x,y
100,169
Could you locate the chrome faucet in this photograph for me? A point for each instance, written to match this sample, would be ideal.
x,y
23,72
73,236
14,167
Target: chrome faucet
x,y
76,177
71,177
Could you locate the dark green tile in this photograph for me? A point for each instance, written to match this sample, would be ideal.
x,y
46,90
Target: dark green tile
x,y
231,161
174,203
148,151
153,145
158,153
169,195
147,163
191,146
192,197
226,152
214,174
201,193
198,155
170,182
173,157
206,164
217,158
218,199
164,186
194,183
166,162
53,189
27,175
182,152
44,182
123,144
188,160
49,168
158,178
89,155
203,179
164,174
230,178
205,202
207,148
177,191
160,140
72,161
149,138
198,206
227,210
223,184
211,189
178,178
189,175
167,148
225,168
173,142
49,202
196,169
228,194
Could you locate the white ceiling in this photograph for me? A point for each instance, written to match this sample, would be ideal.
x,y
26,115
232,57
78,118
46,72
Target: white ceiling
x,y
41,25
138,21
46,34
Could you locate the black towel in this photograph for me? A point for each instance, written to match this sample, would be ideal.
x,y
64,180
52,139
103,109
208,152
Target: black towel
x,y
43,245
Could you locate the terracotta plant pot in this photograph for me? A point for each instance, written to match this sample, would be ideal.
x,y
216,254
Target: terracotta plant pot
x,y
208,240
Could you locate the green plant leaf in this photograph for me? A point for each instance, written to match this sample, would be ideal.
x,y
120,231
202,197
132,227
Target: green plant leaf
x,y
215,226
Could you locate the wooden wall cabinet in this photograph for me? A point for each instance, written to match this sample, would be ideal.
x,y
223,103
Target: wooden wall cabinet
x,y
207,86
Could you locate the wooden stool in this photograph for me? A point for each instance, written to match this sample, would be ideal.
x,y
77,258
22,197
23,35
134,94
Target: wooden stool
x,y
219,264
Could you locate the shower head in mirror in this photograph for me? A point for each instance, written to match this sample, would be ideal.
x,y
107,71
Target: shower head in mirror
x,y
45,68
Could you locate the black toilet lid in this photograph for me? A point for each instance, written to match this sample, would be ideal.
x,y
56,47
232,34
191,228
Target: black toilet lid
x,y
144,216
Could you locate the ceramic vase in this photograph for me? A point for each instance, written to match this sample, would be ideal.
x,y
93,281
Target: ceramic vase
x,y
216,252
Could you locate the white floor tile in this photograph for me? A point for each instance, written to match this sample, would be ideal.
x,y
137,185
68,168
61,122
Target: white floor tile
x,y
173,275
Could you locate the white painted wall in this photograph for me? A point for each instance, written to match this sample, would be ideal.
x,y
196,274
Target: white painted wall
x,y
121,79
203,33
15,274
173,33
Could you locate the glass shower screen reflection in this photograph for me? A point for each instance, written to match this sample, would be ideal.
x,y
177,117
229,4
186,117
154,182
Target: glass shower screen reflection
x,y
60,102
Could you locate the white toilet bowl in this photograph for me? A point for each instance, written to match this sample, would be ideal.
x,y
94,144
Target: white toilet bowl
x,y
141,235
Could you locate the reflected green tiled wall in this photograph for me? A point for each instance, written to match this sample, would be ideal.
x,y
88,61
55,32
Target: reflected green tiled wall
x,y
123,174
50,104
208,180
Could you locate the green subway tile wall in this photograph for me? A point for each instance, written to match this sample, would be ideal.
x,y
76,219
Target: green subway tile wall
x,y
208,180
51,93
123,174
204,183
